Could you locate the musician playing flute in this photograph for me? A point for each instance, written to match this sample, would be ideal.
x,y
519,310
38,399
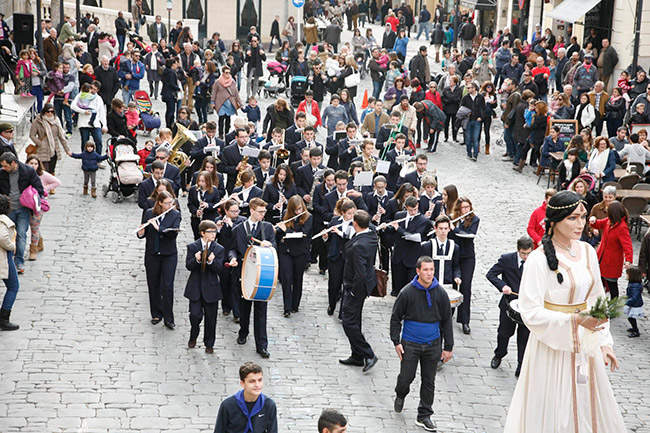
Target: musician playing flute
x,y
201,200
429,196
277,192
293,252
203,289
161,257
318,247
243,236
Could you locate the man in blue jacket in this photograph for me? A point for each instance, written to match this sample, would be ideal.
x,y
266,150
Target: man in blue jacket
x,y
130,73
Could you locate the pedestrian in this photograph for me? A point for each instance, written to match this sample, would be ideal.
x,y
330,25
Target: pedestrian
x,y
331,420
154,63
426,338
606,62
451,98
48,136
400,44
254,57
490,96
505,275
7,266
289,30
249,410
424,23
475,102
89,160
275,32
49,184
130,73
91,114
634,303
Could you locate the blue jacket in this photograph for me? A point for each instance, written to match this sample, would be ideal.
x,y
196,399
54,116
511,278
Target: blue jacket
x,y
137,73
634,292
89,160
400,45
548,147
425,16
502,57
253,114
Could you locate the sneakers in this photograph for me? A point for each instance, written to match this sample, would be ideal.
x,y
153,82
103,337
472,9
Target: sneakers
x,y
398,405
427,424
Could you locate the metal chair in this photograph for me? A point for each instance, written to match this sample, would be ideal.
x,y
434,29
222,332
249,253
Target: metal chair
x,y
642,186
611,183
628,181
636,166
635,207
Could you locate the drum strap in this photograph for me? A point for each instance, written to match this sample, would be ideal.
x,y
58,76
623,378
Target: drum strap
x,y
442,259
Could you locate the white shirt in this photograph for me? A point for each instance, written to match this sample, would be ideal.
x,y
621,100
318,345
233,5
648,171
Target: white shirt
x,y
441,244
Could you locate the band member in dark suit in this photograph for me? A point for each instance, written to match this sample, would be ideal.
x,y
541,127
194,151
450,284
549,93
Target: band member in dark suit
x,y
356,167
163,185
396,204
305,176
253,227
341,180
408,235
230,284
444,252
463,234
429,197
161,257
275,140
277,192
347,150
294,134
170,171
332,147
293,253
415,177
385,131
336,251
201,200
510,267
206,145
264,171
147,186
367,159
308,141
209,164
318,246
377,202
231,160
204,261
359,279
398,156
245,193
447,203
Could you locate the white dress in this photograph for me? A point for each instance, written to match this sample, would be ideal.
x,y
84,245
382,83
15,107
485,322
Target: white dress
x,y
563,386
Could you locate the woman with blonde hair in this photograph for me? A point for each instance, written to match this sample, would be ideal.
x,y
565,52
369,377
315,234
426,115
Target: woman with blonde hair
x,y
279,115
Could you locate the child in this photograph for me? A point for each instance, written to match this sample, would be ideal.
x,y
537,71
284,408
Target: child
x,y
84,102
143,153
569,169
55,81
383,58
555,103
132,117
393,72
529,114
24,74
624,82
369,109
446,59
551,77
253,113
634,304
640,116
89,159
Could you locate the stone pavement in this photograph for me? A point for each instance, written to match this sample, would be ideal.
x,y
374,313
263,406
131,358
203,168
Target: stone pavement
x,y
87,359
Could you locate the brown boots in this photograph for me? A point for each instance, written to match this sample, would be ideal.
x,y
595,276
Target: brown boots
x,y
519,168
33,249
487,148
40,244
93,192
85,189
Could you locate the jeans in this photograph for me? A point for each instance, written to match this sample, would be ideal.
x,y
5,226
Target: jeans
x,y
128,95
498,77
170,112
362,20
97,138
20,217
511,148
376,88
121,39
90,177
423,27
474,134
428,356
61,111
11,283
136,25
37,91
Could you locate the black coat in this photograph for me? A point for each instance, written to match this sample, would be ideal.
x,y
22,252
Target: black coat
x,y
305,179
296,247
211,198
26,176
413,178
320,207
166,235
198,154
451,100
330,203
204,282
110,83
345,156
271,196
255,61
408,252
170,86
172,173
373,201
393,179
253,193
384,134
241,241
388,40
230,157
508,268
224,236
332,149
116,125
359,271
466,244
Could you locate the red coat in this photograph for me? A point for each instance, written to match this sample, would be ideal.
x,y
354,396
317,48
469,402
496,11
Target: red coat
x,y
615,245
314,111
435,98
536,226
394,22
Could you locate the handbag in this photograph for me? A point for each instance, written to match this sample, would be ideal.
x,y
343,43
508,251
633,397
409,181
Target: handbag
x,y
30,199
382,284
285,32
353,80
31,149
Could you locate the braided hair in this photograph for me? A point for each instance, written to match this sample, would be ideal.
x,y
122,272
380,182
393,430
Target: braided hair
x,y
559,207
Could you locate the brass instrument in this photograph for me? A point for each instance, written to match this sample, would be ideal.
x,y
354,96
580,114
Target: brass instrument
x,y
178,157
370,164
281,153
407,168
242,168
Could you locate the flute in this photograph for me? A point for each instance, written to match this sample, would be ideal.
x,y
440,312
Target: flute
x,y
225,199
382,226
154,218
452,221
291,219
324,232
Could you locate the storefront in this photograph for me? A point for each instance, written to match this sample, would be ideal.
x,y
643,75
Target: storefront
x,y
582,18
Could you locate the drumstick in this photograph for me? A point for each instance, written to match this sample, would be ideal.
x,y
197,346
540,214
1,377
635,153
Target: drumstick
x,y
256,240
515,293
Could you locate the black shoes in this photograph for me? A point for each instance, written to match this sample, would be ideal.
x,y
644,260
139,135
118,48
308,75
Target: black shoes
x,y
427,424
352,361
398,405
264,353
287,313
369,363
241,340
226,313
466,329
633,334
518,370
191,344
155,321
236,319
330,311
209,350
496,362
170,326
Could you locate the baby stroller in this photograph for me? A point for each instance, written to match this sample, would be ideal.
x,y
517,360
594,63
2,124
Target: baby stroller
x,y
149,120
139,43
298,89
125,173
587,177
275,85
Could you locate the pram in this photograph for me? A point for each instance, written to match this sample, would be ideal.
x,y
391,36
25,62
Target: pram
x,y
298,89
125,173
139,43
149,120
275,85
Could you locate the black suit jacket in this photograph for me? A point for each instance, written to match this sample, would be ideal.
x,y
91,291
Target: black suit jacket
x,y
359,271
332,149
508,268
296,247
452,271
320,207
212,198
271,196
229,160
408,252
345,157
466,244
382,138
224,236
204,282
412,178
292,137
336,243
259,178
305,179
172,173
425,202
145,189
295,166
166,239
254,192
392,181
197,153
222,185
373,202
241,241
330,203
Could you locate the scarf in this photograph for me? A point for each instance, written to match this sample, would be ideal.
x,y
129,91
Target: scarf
x,y
225,82
419,286
598,161
85,98
48,124
91,76
257,408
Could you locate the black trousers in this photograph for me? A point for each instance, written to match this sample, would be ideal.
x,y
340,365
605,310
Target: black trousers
x,y
226,284
194,222
401,276
487,123
428,356
612,285
467,266
160,281
506,330
170,112
224,125
451,118
235,291
319,251
335,281
197,310
259,321
351,310
384,255
292,269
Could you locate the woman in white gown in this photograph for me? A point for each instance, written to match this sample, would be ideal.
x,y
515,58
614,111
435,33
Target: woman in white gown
x,y
563,386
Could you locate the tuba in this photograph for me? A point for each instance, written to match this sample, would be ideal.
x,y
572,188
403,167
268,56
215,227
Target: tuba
x,y
176,156
242,169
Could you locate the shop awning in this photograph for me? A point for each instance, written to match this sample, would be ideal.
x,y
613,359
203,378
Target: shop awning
x,y
572,10
479,4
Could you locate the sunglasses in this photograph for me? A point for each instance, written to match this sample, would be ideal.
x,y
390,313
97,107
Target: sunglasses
x,y
161,157
49,111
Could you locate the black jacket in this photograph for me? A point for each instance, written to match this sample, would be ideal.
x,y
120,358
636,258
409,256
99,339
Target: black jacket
x,y
451,100
116,125
26,176
211,198
388,40
477,105
197,152
255,61
330,203
508,268
259,177
271,195
393,180
241,241
224,236
166,236
359,271
377,73
204,282
110,83
169,85
466,244
418,68
253,193
231,418
229,160
320,207
305,178
408,252
172,173
296,247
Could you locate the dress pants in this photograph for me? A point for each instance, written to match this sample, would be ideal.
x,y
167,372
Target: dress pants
x,y
401,276
505,331
226,302
197,310
292,269
428,355
160,280
319,251
235,291
335,281
259,321
351,310
384,255
467,266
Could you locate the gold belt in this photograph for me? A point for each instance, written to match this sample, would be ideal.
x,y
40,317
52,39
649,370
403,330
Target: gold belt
x,y
566,308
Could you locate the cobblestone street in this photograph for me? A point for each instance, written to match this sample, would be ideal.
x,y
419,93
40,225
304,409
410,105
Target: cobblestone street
x,y
87,359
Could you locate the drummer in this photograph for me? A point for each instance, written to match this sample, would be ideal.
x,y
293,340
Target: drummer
x,y
510,267
445,255
244,235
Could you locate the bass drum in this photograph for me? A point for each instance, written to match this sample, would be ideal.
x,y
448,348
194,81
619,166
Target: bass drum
x,y
259,276
455,297
514,312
